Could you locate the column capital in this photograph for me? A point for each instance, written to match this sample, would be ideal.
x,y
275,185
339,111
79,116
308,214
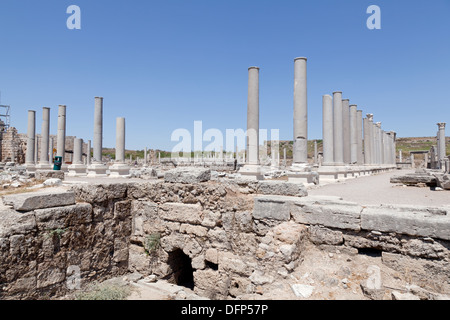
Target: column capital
x,y
378,124
300,58
369,116
441,125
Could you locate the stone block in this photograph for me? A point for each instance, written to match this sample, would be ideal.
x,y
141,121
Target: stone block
x,y
12,222
39,200
414,221
187,175
327,212
42,175
63,217
282,188
272,207
181,212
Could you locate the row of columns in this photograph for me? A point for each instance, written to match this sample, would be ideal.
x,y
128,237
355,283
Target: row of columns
x,y
94,169
343,132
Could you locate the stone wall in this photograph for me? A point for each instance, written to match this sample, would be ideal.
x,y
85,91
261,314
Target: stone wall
x,y
225,239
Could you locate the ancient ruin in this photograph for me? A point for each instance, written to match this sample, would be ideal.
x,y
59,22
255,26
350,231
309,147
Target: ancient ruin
x,y
230,225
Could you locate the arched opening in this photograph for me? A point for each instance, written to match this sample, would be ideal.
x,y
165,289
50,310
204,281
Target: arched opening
x,y
181,273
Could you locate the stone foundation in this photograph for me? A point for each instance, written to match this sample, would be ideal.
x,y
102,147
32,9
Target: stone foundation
x,y
223,239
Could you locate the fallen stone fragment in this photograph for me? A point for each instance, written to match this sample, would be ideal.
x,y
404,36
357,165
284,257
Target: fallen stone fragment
x,y
302,290
39,200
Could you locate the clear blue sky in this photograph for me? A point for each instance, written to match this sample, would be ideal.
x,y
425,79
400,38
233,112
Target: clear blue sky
x,y
164,64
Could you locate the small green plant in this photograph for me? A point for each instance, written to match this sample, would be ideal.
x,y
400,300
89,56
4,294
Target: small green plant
x,y
152,243
58,232
104,292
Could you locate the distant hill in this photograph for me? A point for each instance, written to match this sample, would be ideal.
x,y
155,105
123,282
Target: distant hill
x,y
404,144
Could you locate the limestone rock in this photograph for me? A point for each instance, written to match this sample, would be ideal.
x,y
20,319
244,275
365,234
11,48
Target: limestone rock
x,y
282,188
443,181
39,200
42,175
302,290
187,175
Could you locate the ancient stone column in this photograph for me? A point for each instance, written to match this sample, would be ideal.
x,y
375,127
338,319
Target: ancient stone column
x,y
120,168
97,168
120,140
359,137
346,130
366,142
252,169
400,158
353,135
77,168
98,129
45,134
88,156
327,130
61,133
379,151
300,148
253,116
50,150
338,138
31,136
441,134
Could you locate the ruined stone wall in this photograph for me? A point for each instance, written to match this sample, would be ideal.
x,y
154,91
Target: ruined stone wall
x,y
41,248
234,236
13,144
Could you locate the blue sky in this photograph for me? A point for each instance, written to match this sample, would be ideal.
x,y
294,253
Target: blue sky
x,y
165,64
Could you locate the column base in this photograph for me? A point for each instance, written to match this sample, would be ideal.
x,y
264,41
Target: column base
x,y
302,173
251,172
332,172
97,170
30,167
119,170
76,170
44,166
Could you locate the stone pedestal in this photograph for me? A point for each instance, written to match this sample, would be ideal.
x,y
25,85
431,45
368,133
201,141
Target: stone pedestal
x,y
252,172
96,170
77,168
119,170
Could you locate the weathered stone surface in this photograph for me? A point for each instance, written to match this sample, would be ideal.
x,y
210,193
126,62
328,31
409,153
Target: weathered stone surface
x,y
42,175
282,188
180,212
414,178
321,235
187,175
272,207
327,212
302,290
39,200
417,221
63,217
443,181
12,222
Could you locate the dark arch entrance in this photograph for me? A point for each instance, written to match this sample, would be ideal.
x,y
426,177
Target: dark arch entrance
x,y
182,273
